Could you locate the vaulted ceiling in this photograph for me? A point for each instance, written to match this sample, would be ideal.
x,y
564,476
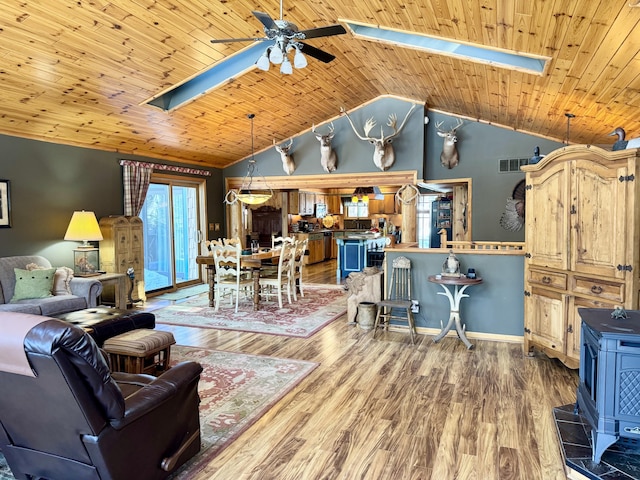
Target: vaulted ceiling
x,y
79,72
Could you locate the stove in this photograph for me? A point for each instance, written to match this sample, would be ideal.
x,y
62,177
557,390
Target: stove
x,y
608,395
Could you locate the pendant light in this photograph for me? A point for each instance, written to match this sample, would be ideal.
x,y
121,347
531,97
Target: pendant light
x,y
245,193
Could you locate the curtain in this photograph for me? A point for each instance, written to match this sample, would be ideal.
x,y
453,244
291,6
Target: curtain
x,y
136,177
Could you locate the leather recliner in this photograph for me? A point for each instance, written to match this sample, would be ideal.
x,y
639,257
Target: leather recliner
x,y
66,416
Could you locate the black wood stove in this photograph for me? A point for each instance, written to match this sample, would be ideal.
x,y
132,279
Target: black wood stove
x,y
609,390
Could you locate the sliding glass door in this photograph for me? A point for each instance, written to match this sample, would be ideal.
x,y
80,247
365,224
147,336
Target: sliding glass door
x,y
172,232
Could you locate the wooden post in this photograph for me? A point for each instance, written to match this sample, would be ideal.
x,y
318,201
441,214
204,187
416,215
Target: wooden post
x,y
409,215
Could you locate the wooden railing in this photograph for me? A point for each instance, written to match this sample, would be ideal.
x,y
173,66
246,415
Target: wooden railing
x,y
457,245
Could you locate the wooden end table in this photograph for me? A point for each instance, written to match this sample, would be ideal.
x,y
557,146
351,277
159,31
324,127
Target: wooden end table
x,y
119,282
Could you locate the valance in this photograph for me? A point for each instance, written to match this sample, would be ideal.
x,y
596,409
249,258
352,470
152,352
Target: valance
x,y
170,168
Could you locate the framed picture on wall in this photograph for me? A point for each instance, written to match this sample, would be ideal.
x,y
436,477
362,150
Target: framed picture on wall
x,y
5,204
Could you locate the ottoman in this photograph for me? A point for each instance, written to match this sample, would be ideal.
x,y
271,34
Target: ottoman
x,y
105,322
140,351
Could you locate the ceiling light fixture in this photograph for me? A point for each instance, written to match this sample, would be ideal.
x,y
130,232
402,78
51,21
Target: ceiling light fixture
x,y
245,194
278,55
569,117
361,194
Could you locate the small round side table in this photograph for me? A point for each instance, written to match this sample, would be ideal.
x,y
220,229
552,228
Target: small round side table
x,y
458,285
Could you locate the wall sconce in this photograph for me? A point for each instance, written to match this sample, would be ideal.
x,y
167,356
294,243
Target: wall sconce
x,y
84,228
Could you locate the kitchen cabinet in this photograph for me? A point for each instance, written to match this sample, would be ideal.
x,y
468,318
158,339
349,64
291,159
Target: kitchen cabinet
x,y
333,204
387,206
315,247
294,202
306,203
582,224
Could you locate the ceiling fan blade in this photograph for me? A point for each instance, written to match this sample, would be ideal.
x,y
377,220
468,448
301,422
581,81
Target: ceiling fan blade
x,y
324,31
248,39
316,53
266,20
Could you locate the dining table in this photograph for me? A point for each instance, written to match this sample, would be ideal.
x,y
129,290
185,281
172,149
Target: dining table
x,y
255,262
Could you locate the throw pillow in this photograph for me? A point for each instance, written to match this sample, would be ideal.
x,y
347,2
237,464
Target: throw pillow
x,y
33,284
61,280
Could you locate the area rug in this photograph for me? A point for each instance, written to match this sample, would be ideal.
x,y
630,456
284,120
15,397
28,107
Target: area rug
x,y
320,305
235,390
182,293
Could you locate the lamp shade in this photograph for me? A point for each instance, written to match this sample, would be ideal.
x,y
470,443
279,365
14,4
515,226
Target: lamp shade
x,y
83,227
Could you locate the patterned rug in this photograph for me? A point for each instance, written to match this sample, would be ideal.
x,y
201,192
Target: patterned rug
x,y
184,293
235,391
320,305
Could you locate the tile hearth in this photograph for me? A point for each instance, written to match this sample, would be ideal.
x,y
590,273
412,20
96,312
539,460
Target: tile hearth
x,y
621,461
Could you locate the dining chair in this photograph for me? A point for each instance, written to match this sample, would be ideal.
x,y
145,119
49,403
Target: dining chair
x,y
278,241
232,242
210,244
272,285
230,278
297,266
397,303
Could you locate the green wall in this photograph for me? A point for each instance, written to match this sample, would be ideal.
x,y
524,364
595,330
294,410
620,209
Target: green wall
x,y
49,181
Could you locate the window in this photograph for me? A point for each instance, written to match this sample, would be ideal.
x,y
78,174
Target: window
x,y
357,209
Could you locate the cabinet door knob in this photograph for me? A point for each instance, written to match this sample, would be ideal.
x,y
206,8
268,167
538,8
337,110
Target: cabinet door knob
x,y
546,280
597,289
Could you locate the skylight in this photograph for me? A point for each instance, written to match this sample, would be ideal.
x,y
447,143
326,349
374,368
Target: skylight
x,y
219,74
476,53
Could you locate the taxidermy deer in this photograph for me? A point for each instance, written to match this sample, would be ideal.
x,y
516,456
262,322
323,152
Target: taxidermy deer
x,y
449,156
288,164
383,155
328,156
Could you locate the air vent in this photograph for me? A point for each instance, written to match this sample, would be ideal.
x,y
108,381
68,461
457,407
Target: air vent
x,y
508,165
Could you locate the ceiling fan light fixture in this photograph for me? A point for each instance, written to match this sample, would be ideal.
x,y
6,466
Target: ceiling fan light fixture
x,y
275,55
286,67
299,60
263,62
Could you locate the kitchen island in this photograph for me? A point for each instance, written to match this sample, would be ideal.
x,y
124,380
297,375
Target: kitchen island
x,y
357,250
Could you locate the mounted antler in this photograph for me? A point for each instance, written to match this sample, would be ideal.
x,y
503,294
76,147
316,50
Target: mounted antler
x,y
383,154
328,156
288,164
449,156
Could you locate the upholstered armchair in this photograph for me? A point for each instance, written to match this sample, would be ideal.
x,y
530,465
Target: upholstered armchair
x,y
64,415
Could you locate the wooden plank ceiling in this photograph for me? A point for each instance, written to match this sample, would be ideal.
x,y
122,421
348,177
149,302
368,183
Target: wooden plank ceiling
x,y
78,72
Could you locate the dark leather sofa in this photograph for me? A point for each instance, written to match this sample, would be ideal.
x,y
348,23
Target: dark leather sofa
x,y
65,416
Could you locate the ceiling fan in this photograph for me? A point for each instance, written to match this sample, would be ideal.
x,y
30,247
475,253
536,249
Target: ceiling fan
x,y
286,37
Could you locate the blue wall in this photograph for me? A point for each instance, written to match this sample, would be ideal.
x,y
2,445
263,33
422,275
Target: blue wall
x,y
418,148
496,306
354,155
480,146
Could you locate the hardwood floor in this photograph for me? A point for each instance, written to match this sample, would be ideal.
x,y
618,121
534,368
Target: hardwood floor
x,y
386,409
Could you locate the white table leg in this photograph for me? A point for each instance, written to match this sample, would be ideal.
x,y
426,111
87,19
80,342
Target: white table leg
x,y
454,316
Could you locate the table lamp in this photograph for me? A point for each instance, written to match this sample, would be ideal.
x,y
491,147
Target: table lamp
x,y
84,228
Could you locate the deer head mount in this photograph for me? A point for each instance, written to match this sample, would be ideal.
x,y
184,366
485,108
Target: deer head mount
x,y
288,164
328,156
383,154
449,156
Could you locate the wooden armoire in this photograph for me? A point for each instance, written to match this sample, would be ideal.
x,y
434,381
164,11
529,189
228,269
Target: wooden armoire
x,y
123,247
582,243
